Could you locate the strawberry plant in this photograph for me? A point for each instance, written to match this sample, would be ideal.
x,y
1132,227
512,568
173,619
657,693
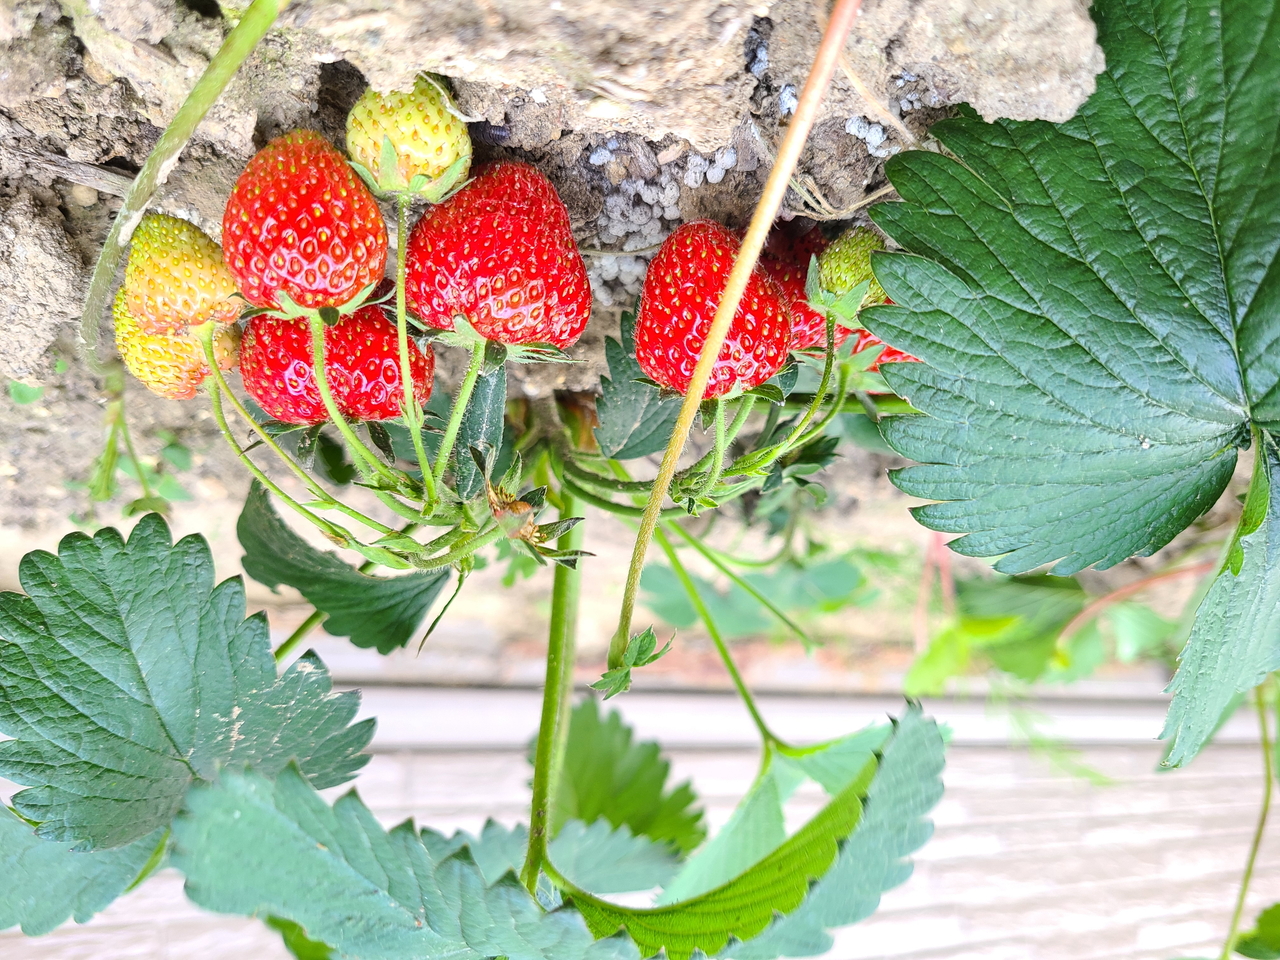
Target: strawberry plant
x,y
1073,343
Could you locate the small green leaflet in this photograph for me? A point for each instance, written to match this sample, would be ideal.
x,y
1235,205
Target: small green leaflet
x,y
757,826
126,676
782,881
1098,307
257,847
482,428
607,776
873,860
635,419
381,612
297,942
1263,941
43,882
642,650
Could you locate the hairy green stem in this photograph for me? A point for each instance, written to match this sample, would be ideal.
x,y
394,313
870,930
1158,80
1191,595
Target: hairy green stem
x,y
305,627
552,731
240,42
459,409
368,461
695,598
478,542
410,411
775,189
1260,702
133,453
718,448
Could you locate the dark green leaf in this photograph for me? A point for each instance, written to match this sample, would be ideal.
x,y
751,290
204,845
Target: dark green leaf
x,y
43,882
607,776
635,419
255,847
1097,304
381,612
482,428
126,676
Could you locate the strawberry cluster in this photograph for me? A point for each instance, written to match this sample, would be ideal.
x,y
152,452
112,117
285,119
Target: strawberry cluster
x,y
304,244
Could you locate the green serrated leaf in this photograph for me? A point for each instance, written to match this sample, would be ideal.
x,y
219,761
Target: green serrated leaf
x,y
1235,641
606,776
482,428
874,859
1263,941
43,882
1095,306
255,847
126,676
1097,309
768,391
381,612
635,419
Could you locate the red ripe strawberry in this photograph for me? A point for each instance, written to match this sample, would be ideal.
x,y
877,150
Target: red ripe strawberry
x,y
300,222
499,253
362,365
681,292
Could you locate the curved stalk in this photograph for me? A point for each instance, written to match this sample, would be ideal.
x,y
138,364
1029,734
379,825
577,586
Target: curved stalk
x,y
240,42
305,627
775,190
556,693
770,739
459,408
367,460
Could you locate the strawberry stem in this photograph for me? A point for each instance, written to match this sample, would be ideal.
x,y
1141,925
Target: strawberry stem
x,y
240,42
775,189
366,459
556,693
459,409
410,411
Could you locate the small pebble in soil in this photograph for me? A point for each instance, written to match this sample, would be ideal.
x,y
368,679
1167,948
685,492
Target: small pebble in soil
x,y
872,134
695,168
600,156
788,100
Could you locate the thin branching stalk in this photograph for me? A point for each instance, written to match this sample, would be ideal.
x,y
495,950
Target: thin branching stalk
x,y
775,191
240,42
410,411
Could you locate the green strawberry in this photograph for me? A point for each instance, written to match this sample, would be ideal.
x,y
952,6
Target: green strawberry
x,y
412,142
847,262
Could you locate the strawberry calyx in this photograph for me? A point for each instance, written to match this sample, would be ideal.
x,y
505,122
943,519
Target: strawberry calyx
x,y
467,337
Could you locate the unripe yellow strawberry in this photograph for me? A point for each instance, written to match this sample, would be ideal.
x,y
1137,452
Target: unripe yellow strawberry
x,y
175,277
169,365
429,141
847,262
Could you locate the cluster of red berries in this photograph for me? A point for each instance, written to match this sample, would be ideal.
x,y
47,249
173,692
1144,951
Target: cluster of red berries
x,y
303,238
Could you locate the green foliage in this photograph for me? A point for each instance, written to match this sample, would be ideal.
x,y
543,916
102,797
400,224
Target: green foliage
x,y
126,676
604,859
1095,304
635,418
256,847
874,858
1235,641
756,827
606,776
482,429
822,587
22,395
297,942
642,650
381,612
782,880
43,882
1263,941
1013,622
